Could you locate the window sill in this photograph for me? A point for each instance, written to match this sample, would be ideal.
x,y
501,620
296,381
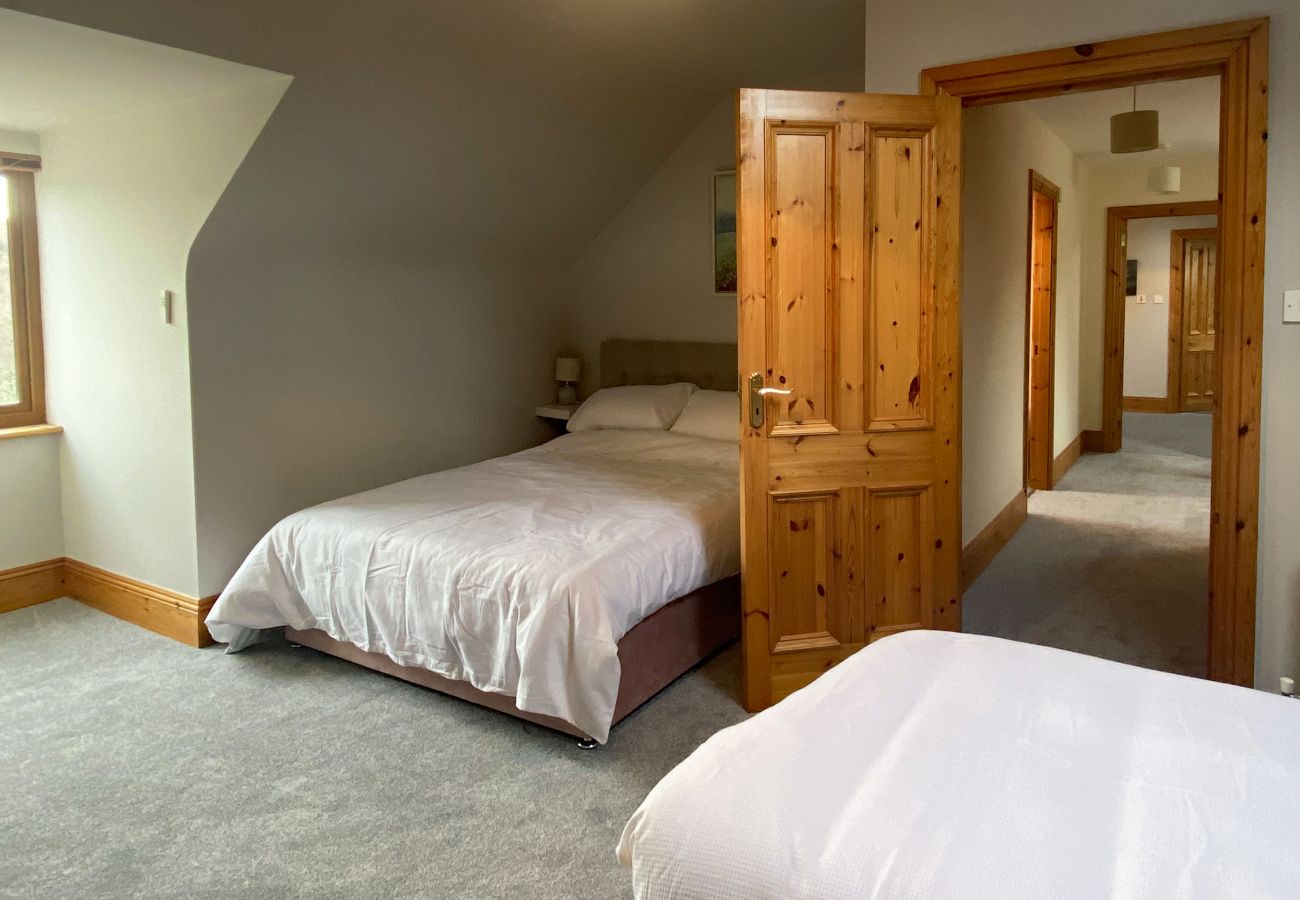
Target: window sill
x,y
29,431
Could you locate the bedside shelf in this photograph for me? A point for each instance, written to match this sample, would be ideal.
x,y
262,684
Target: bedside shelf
x,y
559,412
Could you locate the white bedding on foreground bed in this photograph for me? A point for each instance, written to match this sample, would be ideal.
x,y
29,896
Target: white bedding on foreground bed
x,y
939,765
518,575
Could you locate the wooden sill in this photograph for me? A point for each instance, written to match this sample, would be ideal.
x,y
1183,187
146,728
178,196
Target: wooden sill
x,y
29,431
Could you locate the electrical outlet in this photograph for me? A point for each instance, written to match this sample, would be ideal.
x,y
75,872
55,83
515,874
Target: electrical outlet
x,y
1291,306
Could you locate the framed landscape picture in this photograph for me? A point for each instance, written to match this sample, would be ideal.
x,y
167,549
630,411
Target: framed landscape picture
x,y
724,232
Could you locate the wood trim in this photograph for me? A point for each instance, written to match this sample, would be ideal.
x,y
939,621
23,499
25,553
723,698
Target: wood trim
x,y
1112,374
29,585
1146,404
1067,458
23,431
1098,65
1091,440
165,612
1174,361
985,546
25,275
1038,471
19,162
1238,53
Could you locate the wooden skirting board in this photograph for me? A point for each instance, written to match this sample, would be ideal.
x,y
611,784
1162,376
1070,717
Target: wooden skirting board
x,y
32,584
985,546
168,613
1145,404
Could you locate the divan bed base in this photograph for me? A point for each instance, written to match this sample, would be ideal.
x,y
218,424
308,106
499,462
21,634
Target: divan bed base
x,y
662,646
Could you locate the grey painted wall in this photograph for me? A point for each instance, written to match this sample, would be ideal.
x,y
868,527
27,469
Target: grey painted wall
x,y
376,294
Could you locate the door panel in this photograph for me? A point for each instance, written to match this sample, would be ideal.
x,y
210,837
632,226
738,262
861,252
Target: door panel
x,y
899,306
1198,274
847,243
802,186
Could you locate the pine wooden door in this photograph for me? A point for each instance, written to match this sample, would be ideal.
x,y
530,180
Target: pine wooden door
x,y
1198,273
848,260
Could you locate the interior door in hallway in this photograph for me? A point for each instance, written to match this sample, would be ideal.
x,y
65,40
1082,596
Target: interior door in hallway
x,y
1040,319
1196,278
848,260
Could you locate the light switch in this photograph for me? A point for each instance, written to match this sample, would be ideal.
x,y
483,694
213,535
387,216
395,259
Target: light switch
x,y
1291,306
1141,298
1157,298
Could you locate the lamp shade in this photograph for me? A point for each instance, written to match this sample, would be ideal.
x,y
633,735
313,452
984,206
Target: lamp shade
x,y
567,368
1134,132
1165,179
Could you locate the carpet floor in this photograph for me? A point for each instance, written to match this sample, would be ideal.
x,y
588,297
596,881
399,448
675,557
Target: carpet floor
x,y
132,766
1114,561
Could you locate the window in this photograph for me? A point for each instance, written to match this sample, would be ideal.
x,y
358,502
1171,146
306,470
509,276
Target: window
x,y
22,362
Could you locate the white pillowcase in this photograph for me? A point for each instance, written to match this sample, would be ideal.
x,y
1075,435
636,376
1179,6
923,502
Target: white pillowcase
x,y
711,414
637,406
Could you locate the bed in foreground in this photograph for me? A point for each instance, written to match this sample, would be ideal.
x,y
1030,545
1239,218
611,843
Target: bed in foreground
x,y
939,765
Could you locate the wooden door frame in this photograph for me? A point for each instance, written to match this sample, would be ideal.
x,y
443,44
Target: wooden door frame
x,y
1238,53
1174,373
1040,185
1112,374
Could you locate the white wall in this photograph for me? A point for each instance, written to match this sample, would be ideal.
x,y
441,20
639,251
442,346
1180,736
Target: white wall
x,y
1002,143
31,520
903,39
20,142
119,204
1122,182
649,274
1146,325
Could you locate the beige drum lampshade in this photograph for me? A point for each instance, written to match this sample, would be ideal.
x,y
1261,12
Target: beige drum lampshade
x,y
567,368
1165,179
1134,132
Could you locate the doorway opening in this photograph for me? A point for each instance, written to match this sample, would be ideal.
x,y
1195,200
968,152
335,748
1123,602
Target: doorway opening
x,y
1237,54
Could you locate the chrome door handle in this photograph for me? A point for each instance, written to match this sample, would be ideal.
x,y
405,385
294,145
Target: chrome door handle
x,y
757,391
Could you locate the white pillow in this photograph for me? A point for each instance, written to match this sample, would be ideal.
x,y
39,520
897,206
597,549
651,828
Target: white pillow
x,y
642,406
711,414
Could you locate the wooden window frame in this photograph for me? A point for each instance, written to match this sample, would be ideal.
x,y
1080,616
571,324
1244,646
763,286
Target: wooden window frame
x,y
25,274
1238,53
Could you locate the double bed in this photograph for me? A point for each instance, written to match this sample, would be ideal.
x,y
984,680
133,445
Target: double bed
x,y
941,765
565,584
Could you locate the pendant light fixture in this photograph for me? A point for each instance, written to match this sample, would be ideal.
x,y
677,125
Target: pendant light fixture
x,y
1136,131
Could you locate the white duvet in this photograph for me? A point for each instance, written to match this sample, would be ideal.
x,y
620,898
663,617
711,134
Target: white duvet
x,y
937,765
518,575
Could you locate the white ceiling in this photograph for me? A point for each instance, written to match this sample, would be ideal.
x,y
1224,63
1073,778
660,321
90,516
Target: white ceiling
x,y
1189,114
52,72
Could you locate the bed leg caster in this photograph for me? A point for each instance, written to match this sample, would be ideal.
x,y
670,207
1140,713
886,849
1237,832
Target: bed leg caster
x,y
587,744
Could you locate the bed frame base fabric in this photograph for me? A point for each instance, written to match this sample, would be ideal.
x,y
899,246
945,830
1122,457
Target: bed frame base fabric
x,y
664,645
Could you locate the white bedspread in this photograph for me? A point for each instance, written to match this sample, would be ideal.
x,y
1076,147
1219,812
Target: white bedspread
x,y
518,575
935,765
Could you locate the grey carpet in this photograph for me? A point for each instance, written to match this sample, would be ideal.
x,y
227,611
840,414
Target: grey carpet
x,y
1114,561
132,766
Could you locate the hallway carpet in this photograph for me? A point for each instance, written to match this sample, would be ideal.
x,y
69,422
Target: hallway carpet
x,y
133,766
1114,561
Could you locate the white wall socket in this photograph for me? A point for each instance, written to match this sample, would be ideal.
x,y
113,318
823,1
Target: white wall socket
x,y
1291,306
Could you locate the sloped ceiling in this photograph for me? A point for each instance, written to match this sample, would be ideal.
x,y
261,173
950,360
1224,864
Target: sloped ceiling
x,y
492,128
